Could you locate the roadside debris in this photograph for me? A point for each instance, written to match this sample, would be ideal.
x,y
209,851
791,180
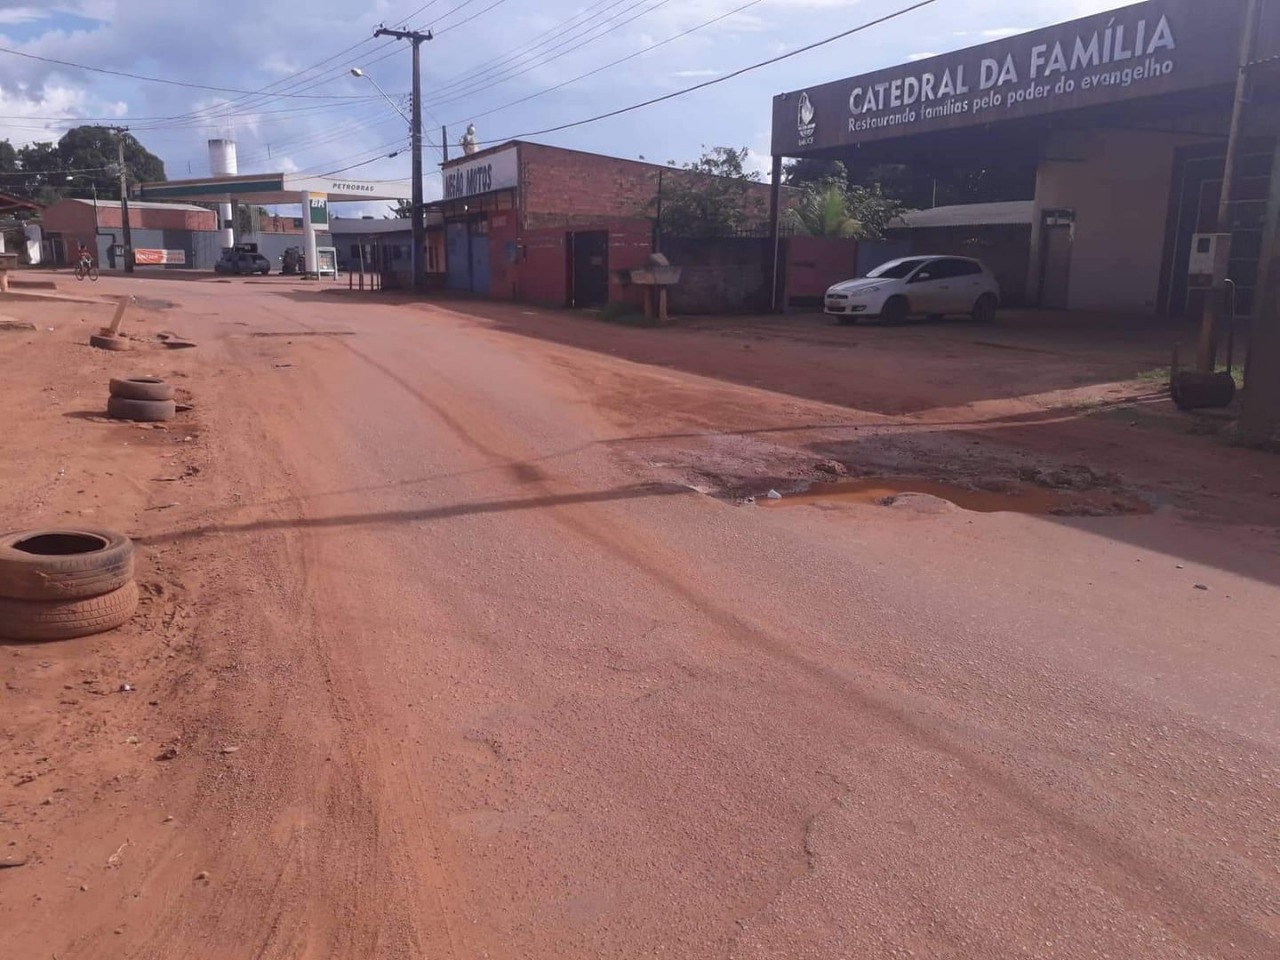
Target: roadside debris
x,y
8,863
168,753
60,584
773,495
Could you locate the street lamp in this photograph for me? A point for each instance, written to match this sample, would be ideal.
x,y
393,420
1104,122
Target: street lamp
x,y
358,73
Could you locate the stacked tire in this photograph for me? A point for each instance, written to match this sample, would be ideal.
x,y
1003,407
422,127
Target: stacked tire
x,y
60,584
141,399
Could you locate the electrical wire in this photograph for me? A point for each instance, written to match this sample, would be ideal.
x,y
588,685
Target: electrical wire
x,y
716,80
145,79
614,63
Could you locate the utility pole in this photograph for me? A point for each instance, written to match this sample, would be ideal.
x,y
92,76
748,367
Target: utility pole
x,y
416,39
126,230
1215,300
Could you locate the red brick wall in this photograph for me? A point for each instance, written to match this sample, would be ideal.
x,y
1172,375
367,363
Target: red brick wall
x,y
69,217
541,271
570,188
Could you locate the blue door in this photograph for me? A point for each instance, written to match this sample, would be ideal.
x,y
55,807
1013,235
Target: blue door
x,y
457,256
480,263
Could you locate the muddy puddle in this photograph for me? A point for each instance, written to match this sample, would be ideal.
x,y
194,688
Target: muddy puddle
x,y
1011,497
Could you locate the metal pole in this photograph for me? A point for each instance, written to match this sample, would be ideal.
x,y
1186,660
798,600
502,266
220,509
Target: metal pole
x,y
124,200
775,200
657,220
1206,353
444,143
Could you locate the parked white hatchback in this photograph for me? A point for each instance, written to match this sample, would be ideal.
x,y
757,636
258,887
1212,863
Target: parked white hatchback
x,y
934,287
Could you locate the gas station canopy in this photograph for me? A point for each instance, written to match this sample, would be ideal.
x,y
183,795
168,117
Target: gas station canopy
x,y
282,188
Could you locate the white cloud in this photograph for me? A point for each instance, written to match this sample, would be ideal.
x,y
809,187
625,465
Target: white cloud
x,y
913,57
696,74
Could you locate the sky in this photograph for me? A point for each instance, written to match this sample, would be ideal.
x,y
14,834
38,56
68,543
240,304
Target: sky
x,y
312,115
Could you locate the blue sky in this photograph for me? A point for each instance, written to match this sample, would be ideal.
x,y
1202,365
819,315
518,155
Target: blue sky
x,y
239,45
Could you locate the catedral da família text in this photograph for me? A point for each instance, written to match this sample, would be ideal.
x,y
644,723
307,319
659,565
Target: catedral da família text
x,y
1051,70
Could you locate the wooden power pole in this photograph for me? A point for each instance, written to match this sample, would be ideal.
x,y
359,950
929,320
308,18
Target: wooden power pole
x,y
416,39
125,227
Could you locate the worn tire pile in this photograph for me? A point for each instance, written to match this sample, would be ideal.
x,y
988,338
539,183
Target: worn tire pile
x,y
141,399
60,584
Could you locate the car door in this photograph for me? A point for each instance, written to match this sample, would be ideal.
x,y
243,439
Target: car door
x,y
966,285
927,288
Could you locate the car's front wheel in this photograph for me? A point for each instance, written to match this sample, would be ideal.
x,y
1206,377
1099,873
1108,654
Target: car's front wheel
x,y
984,311
895,310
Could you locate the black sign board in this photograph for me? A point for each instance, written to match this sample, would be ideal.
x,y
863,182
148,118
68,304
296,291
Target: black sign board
x,y
1143,50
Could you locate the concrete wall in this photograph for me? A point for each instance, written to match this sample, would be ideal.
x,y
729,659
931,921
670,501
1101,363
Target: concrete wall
x,y
1117,183
721,275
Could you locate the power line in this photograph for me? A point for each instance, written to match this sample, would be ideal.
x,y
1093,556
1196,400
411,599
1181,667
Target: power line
x,y
728,76
174,83
614,63
478,13
511,66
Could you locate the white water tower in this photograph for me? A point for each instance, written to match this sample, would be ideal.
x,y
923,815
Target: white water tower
x,y
222,163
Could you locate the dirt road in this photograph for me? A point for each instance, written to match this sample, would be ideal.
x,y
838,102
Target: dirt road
x,y
457,664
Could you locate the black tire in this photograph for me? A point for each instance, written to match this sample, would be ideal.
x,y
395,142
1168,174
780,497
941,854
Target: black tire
x,y
141,411
141,388
64,564
79,271
984,311
93,274
66,619
104,342
895,310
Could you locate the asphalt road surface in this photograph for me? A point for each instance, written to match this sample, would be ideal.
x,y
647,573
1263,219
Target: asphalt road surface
x,y
499,686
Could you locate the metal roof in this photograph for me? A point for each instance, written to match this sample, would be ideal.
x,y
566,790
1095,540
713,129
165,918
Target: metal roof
x,y
968,215
138,205
268,188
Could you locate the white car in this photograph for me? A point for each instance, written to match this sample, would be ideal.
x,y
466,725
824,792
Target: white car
x,y
934,287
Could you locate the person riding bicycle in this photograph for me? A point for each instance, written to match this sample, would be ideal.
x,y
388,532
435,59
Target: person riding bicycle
x,y
82,254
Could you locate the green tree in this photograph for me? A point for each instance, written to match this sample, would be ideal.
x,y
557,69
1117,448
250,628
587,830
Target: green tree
x,y
90,154
830,207
403,210
715,196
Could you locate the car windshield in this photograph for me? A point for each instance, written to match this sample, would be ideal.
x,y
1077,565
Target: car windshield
x,y
895,269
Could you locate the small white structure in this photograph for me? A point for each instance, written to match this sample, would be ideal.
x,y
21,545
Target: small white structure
x,y
223,163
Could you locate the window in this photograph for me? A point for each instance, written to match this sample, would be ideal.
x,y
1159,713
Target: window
x,y
963,268
895,269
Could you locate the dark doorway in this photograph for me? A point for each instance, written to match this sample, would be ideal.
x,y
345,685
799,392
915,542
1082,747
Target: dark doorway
x,y
1055,262
589,268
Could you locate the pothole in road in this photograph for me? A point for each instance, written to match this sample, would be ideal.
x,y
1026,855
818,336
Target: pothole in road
x,y
1005,496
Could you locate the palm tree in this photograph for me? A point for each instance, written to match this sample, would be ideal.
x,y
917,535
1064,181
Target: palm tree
x,y
825,210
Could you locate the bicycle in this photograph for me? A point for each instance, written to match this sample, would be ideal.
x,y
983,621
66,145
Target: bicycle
x,y
86,268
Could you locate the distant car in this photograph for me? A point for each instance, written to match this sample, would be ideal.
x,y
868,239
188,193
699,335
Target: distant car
x,y
934,287
243,263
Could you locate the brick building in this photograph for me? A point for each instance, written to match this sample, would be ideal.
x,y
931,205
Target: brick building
x,y
155,226
525,221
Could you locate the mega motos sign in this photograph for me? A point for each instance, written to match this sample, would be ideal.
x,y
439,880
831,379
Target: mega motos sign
x,y
495,171
1143,50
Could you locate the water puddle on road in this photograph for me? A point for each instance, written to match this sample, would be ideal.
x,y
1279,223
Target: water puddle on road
x,y
1011,497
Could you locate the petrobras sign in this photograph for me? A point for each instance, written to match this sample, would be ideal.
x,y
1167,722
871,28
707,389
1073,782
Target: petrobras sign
x,y
485,174
1142,50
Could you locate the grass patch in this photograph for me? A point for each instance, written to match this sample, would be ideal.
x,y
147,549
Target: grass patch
x,y
1161,375
625,314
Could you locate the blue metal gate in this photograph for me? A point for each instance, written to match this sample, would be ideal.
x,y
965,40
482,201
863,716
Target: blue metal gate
x,y
457,256
480,263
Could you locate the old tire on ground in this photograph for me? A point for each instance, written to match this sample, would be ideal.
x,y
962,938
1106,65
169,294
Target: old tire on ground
x,y
65,619
64,564
984,311
141,388
895,310
141,411
103,342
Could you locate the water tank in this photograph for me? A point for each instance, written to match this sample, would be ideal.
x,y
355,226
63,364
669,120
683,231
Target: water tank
x,y
222,158
222,163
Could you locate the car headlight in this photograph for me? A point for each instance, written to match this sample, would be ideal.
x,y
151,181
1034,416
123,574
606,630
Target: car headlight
x,y
869,290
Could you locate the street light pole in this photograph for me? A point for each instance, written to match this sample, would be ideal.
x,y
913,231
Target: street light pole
x,y
417,39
